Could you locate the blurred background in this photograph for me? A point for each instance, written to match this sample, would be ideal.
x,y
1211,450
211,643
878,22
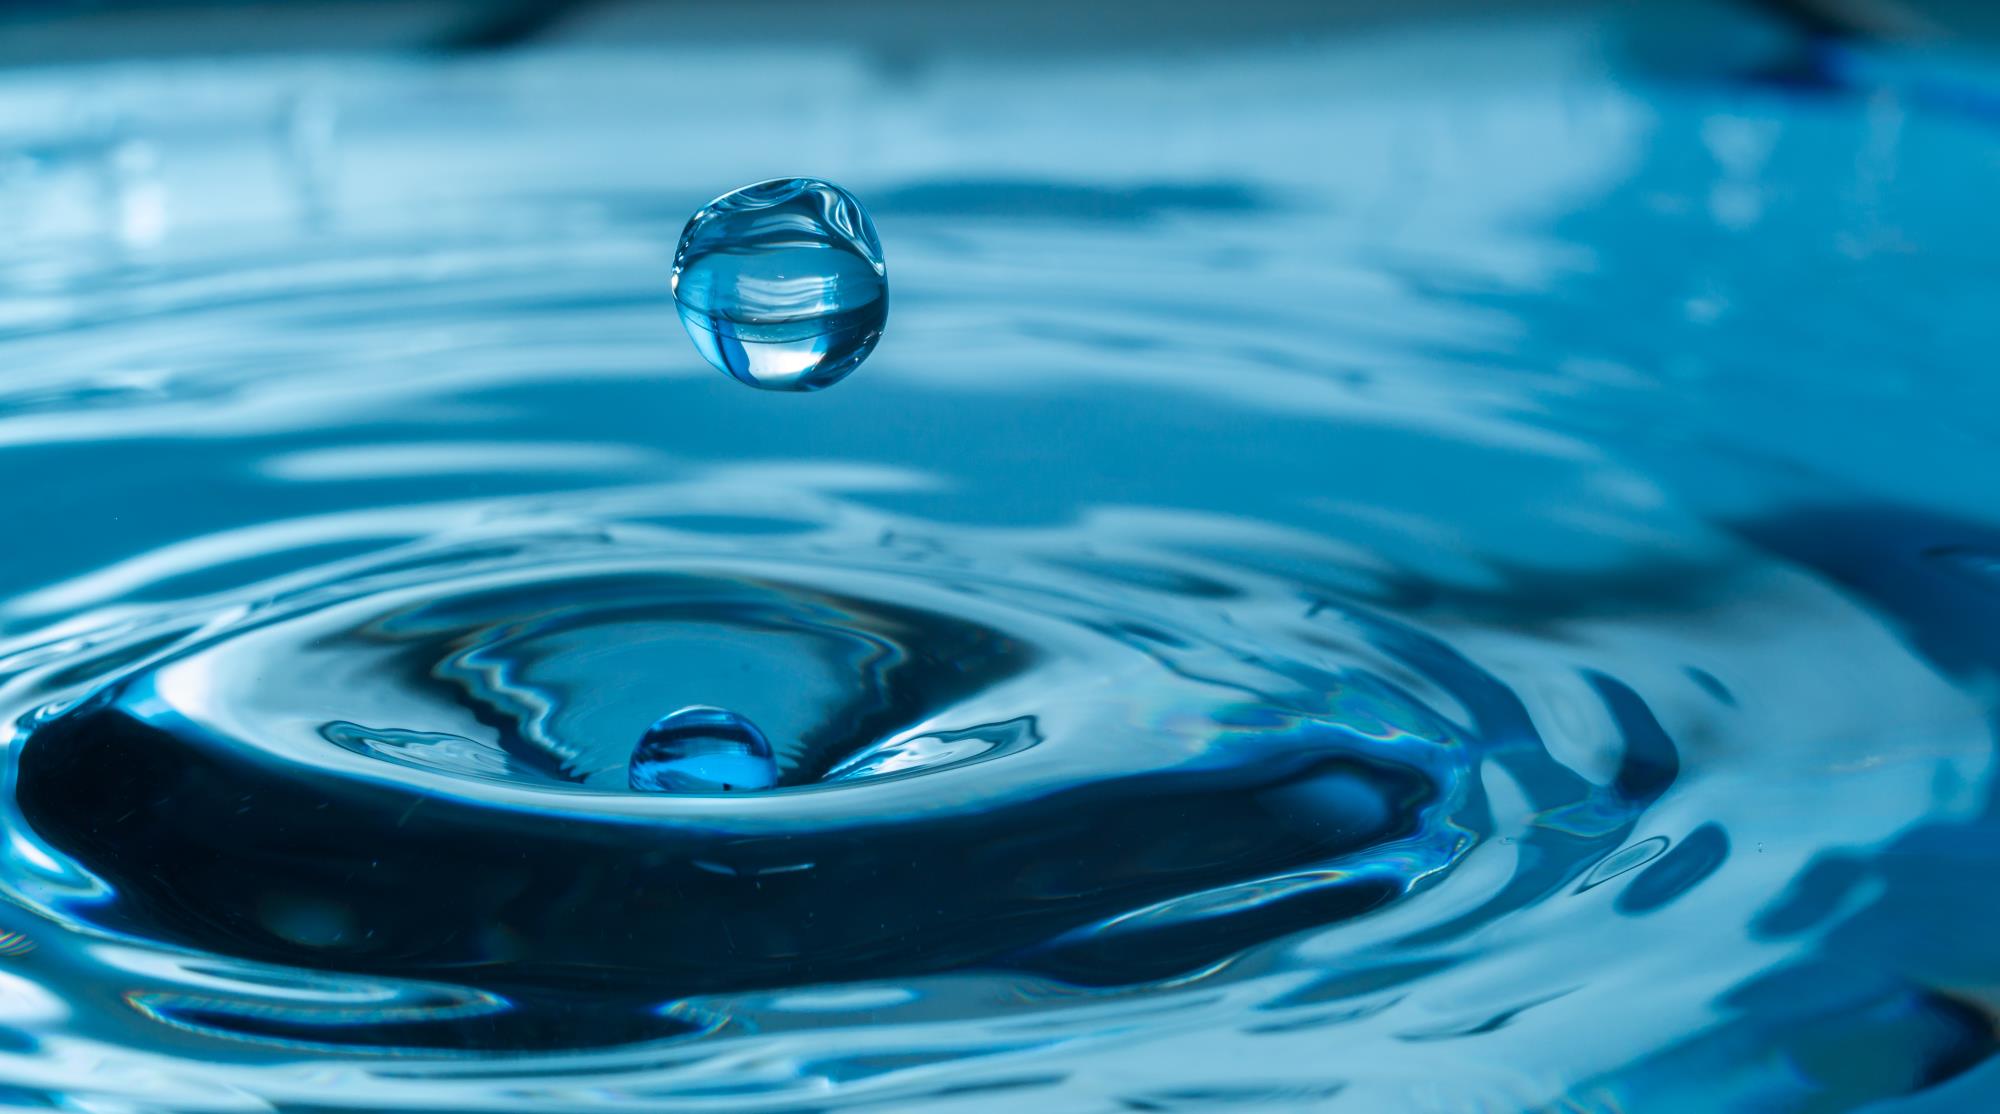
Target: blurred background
x,y
60,31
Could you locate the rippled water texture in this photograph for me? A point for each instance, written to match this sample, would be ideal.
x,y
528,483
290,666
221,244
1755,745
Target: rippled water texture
x,y
1418,571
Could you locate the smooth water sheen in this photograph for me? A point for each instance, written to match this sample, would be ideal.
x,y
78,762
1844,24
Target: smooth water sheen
x,y
781,284
1439,571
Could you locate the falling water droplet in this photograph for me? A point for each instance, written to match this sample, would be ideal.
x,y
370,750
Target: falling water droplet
x,y
703,750
781,284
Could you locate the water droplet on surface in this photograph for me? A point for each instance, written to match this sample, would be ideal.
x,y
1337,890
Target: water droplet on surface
x,y
703,750
781,284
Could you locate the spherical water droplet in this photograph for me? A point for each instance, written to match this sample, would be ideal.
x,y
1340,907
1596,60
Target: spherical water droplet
x,y
782,284
703,750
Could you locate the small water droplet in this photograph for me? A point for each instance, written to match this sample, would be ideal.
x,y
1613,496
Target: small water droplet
x,y
781,284
703,750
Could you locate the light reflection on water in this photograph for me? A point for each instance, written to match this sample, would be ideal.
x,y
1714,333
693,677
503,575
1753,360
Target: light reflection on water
x,y
1360,580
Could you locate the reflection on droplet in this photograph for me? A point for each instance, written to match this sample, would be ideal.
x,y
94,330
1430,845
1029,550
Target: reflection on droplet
x,y
701,749
781,284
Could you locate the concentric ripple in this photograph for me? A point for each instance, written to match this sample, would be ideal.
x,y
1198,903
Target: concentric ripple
x,y
433,785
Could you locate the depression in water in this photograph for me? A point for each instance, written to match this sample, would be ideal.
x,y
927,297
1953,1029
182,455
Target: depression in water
x,y
781,284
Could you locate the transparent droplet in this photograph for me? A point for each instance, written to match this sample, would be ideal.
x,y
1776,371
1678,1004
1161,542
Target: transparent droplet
x,y
782,284
703,750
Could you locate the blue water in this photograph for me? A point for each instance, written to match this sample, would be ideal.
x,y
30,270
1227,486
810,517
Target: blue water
x,y
1443,569
782,285
699,749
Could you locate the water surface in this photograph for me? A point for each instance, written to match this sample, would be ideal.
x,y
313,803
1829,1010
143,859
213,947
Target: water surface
x,y
1446,570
